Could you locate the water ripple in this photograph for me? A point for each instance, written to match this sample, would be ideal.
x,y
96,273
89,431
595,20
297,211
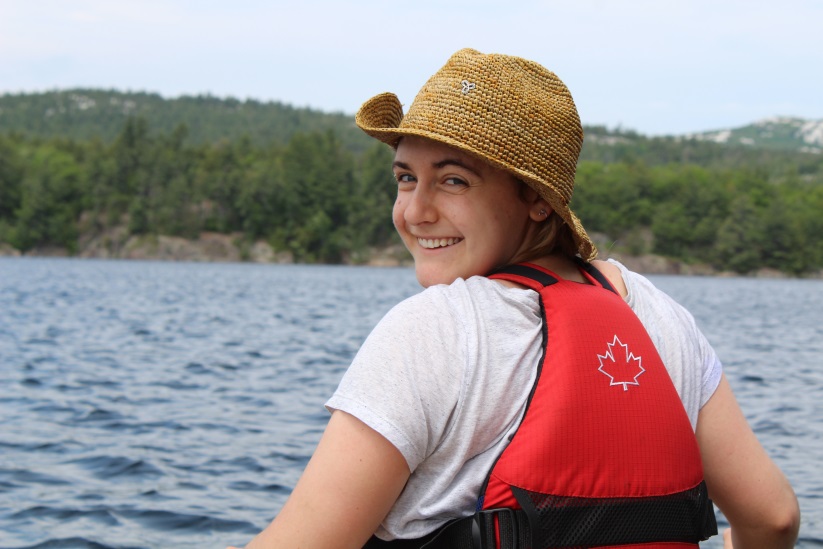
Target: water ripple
x,y
168,404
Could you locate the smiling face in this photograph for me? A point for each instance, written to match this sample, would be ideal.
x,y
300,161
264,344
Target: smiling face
x,y
457,215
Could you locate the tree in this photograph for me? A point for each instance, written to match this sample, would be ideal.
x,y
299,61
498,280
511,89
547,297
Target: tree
x,y
319,172
376,189
739,237
260,203
49,201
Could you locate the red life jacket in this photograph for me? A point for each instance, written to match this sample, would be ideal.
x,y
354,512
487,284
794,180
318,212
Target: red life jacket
x,y
605,454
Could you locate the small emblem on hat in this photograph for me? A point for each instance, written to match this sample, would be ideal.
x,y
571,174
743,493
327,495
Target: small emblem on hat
x,y
467,86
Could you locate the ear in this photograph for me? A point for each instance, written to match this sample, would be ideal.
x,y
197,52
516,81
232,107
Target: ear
x,y
539,210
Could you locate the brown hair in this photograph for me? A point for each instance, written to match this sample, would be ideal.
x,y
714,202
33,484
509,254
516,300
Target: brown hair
x,y
553,236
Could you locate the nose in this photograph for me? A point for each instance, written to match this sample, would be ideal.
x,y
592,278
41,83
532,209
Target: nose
x,y
418,205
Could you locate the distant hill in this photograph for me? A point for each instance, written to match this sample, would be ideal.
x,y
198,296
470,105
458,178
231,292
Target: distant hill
x,y
88,113
95,113
777,145
781,133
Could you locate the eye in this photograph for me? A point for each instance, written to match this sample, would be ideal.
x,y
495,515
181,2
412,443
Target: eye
x,y
404,180
455,182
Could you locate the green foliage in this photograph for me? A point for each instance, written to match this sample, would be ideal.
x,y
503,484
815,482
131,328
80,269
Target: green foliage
x,y
614,198
739,236
11,170
312,196
49,200
318,175
735,219
311,190
377,187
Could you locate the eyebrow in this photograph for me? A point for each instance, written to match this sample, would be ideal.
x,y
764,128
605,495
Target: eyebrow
x,y
441,164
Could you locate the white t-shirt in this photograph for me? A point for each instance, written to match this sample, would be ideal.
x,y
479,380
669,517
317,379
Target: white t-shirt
x,y
445,376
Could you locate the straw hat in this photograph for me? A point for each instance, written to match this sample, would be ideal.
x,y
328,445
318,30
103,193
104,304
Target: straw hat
x,y
508,111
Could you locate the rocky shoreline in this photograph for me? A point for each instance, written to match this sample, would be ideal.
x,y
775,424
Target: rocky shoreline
x,y
217,247
207,247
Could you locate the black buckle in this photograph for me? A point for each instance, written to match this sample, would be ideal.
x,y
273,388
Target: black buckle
x,y
479,525
477,537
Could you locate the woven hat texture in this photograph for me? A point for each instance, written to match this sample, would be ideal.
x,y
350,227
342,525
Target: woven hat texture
x,y
508,111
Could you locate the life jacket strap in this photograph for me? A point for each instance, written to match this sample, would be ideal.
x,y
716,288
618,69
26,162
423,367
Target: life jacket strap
x,y
478,531
682,519
483,529
537,278
596,274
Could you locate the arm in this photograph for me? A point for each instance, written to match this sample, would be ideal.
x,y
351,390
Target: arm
x,y
743,481
348,487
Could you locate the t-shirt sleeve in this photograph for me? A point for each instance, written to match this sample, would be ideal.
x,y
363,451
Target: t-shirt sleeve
x,y
404,380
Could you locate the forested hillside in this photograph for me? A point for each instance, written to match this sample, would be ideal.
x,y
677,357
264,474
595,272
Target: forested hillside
x,y
310,184
82,114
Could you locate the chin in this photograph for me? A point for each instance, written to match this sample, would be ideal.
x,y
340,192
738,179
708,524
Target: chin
x,y
427,279
431,276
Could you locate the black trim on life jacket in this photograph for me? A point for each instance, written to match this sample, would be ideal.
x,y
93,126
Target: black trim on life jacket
x,y
545,279
564,521
526,271
595,273
568,522
477,531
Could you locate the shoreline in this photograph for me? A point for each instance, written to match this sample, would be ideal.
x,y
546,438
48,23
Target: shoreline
x,y
232,248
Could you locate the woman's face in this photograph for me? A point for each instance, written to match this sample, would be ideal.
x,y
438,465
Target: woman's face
x,y
457,215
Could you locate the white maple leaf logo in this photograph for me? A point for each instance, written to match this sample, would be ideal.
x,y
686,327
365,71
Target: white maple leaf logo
x,y
623,368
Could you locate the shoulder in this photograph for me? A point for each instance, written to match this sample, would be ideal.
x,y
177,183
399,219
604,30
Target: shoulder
x,y
464,300
448,322
641,294
412,376
647,300
449,328
614,274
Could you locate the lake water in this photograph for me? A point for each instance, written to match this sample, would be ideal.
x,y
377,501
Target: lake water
x,y
149,404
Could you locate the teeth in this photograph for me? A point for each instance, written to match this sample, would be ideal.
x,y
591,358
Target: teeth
x,y
431,243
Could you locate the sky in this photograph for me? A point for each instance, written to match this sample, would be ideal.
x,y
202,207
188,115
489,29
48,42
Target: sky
x,y
659,67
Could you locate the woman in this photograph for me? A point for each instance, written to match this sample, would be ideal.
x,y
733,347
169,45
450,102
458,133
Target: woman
x,y
431,414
